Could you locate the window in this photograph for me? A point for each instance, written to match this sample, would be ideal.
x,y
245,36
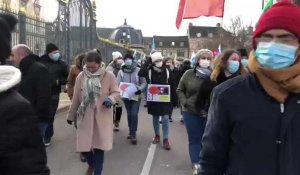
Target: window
x,y
181,44
199,35
210,35
160,43
121,41
173,43
180,53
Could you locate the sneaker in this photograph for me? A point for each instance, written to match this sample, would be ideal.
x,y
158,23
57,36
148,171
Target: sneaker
x,y
170,119
196,168
128,137
133,140
117,128
156,139
47,142
166,144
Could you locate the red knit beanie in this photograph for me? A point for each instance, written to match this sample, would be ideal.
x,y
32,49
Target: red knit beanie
x,y
282,15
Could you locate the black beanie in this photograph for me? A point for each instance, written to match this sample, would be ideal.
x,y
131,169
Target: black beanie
x,y
7,23
51,47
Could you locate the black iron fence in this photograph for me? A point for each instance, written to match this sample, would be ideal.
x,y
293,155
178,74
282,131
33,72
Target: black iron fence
x,y
36,33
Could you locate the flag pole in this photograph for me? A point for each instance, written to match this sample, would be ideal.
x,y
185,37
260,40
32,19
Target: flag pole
x,y
263,4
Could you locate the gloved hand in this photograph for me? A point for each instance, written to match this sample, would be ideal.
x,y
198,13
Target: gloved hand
x,y
138,92
107,102
69,122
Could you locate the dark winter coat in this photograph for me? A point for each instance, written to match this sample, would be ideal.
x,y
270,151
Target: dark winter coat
x,y
160,108
180,71
203,99
248,132
58,73
22,151
35,86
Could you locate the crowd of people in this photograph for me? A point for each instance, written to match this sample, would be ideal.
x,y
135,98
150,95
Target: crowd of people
x,y
240,109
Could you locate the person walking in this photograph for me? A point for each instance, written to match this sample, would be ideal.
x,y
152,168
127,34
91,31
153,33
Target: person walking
x,y
74,71
194,117
158,74
253,121
115,67
185,66
35,84
58,73
22,149
95,93
169,62
129,74
226,66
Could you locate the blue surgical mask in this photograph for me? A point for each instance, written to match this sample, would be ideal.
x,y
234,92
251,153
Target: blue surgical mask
x,y
244,62
128,62
55,56
233,66
275,55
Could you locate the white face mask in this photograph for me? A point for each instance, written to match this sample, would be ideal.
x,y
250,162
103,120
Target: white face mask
x,y
159,64
204,63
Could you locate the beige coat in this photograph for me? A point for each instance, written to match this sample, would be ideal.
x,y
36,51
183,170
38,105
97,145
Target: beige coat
x,y
95,131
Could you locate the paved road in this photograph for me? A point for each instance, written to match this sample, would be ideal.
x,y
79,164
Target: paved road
x,y
124,159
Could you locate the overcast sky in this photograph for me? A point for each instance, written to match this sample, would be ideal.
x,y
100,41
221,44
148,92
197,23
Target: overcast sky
x,y
157,17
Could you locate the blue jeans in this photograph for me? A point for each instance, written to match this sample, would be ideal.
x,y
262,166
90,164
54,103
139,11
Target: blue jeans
x,y
132,108
43,126
95,159
165,125
195,125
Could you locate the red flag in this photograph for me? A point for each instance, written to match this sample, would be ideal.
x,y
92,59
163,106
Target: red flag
x,y
180,13
195,8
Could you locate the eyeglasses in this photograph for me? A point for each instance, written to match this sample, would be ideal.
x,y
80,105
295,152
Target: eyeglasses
x,y
205,58
283,39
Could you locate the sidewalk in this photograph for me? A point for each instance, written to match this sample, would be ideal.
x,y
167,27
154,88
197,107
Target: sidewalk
x,y
64,103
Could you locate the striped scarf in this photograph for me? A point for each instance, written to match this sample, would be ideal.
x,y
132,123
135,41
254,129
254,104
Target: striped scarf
x,y
91,90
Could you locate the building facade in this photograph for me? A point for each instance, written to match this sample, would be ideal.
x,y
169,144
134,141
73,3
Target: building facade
x,y
123,39
170,46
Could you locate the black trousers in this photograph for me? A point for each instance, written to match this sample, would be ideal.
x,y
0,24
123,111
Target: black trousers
x,y
118,113
53,108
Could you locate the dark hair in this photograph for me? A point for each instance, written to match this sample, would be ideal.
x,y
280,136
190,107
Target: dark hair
x,y
243,52
221,63
93,56
130,56
167,59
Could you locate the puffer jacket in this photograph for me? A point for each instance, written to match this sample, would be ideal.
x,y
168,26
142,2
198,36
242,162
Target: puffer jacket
x,y
22,151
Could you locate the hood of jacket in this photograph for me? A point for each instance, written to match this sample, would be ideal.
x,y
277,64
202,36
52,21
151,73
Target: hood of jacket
x,y
9,77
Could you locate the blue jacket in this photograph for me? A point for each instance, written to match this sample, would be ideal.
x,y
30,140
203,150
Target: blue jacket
x,y
249,133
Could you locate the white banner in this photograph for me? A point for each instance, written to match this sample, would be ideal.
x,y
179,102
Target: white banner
x,y
128,90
